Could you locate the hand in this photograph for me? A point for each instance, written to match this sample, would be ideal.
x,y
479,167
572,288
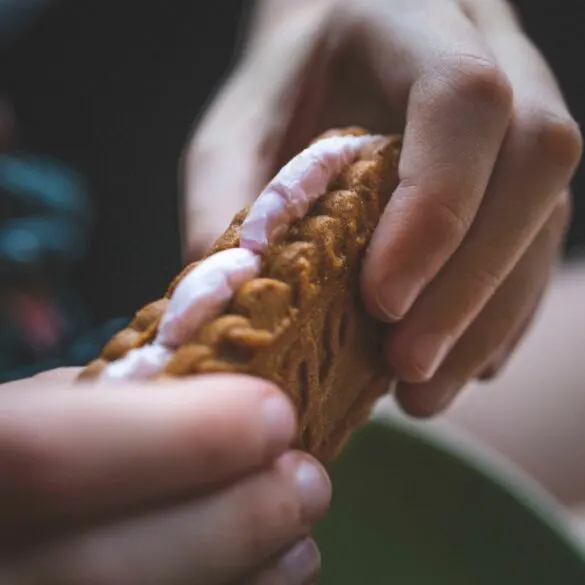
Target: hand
x,y
464,250
174,482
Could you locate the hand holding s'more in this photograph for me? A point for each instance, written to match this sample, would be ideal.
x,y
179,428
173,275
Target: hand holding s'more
x,y
278,295
465,249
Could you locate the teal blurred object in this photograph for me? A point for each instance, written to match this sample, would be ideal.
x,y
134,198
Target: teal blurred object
x,y
16,15
412,509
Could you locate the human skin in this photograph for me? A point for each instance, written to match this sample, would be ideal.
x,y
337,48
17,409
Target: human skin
x,y
174,482
534,412
465,248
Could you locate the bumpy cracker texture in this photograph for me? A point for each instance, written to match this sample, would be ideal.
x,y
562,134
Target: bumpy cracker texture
x,y
301,324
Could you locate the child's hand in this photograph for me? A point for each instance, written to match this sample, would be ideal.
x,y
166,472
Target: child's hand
x,y
174,482
463,253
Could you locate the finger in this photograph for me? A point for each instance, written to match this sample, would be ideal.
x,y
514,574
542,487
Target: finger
x,y
502,355
65,375
458,110
538,158
214,540
54,376
500,27
300,565
507,309
237,145
499,361
75,452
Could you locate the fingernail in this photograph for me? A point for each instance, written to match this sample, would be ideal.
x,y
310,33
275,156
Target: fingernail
x,y
314,489
397,295
301,564
428,353
280,421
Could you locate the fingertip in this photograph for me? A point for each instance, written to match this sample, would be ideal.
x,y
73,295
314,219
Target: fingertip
x,y
389,290
395,296
301,564
416,361
399,265
425,400
374,296
280,419
276,411
312,483
412,403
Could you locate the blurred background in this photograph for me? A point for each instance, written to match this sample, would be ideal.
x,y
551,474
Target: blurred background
x,y
97,100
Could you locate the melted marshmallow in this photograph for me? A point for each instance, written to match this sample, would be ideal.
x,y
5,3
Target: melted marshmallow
x,y
206,290
298,185
139,363
201,295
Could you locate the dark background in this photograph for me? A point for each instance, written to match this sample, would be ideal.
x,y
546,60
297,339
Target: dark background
x,y
113,88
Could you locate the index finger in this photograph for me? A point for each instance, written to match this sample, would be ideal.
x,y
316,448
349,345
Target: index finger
x,y
458,111
74,452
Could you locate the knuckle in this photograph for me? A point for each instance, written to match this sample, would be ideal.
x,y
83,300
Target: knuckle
x,y
557,138
480,79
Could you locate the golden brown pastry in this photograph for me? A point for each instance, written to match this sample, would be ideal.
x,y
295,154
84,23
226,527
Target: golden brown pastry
x,y
301,323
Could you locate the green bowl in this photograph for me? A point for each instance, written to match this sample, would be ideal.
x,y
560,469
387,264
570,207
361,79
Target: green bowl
x,y
410,508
